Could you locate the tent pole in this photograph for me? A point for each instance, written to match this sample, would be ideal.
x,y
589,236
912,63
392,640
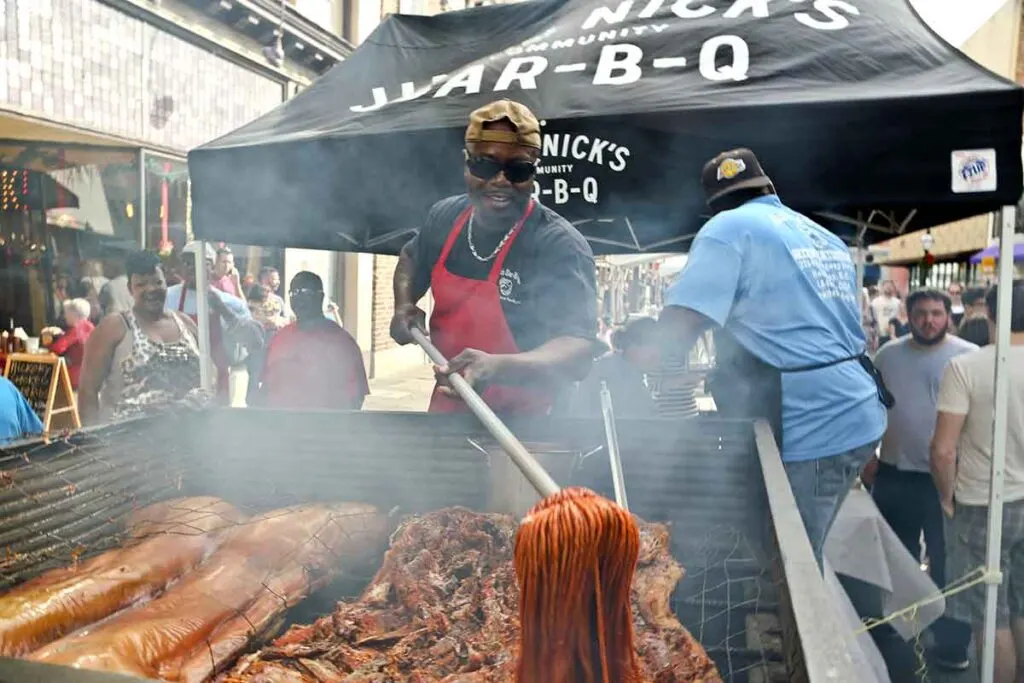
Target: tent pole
x,y
203,319
999,425
860,254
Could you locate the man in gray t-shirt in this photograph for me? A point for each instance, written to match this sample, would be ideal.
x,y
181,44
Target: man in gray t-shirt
x,y
904,491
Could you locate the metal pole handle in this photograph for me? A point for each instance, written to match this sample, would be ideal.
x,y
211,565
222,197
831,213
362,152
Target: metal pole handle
x,y
527,464
612,435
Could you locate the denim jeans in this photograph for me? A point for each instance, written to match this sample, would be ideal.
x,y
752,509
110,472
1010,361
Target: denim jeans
x,y
820,487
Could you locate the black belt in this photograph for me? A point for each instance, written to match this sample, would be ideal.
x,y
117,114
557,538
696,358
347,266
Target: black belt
x,y
884,395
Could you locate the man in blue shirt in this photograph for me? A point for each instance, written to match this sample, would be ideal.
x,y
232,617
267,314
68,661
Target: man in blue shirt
x,y
790,347
17,419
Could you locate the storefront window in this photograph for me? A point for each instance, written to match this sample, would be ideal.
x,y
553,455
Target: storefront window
x,y
67,217
167,203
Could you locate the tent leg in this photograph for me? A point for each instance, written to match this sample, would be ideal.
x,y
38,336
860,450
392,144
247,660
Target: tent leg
x,y
203,320
1001,406
861,255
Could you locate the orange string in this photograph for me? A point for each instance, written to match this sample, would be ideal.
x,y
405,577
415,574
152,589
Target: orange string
x,y
575,556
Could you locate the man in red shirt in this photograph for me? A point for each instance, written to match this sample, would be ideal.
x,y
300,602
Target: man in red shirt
x,y
313,363
225,276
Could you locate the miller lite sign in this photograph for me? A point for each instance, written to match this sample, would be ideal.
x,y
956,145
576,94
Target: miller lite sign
x,y
974,170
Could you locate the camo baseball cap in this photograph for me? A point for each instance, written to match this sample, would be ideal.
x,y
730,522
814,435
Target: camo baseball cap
x,y
527,127
732,170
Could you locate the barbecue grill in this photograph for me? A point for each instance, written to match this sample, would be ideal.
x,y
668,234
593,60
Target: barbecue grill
x,y
740,541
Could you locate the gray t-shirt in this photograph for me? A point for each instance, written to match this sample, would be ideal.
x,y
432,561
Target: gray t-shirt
x,y
913,373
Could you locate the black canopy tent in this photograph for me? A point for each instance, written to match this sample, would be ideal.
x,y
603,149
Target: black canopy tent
x,y
857,109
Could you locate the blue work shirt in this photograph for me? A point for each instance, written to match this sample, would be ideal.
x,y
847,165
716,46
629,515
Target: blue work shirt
x,y
17,419
786,289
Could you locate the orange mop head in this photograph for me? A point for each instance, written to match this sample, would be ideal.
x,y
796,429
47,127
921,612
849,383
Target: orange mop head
x,y
575,555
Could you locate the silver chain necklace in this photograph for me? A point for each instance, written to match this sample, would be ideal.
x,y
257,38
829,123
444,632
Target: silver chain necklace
x,y
472,248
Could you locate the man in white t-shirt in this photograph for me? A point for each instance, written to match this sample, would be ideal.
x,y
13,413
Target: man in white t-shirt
x,y
885,306
961,463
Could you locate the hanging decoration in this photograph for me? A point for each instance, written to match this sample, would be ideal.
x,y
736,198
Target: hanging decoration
x,y
175,172
14,190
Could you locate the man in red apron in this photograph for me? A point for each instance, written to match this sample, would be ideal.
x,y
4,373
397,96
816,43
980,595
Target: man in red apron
x,y
515,298
225,312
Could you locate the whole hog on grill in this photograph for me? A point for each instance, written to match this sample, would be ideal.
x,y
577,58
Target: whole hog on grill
x,y
202,623
169,539
443,609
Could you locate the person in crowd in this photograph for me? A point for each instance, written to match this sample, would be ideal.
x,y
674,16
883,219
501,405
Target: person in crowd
x,y
974,330
885,306
92,283
143,359
955,292
226,315
115,295
514,283
869,325
333,312
961,463
974,304
17,419
903,489
270,278
71,343
636,351
605,330
60,294
313,363
801,363
225,275
265,313
899,326
265,310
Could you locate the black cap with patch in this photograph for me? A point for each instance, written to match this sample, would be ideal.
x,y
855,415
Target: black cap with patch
x,y
733,170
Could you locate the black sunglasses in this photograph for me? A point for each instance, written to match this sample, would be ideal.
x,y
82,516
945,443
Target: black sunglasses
x,y
304,291
516,171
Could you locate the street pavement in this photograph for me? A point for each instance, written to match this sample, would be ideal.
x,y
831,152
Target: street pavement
x,y
408,391
405,391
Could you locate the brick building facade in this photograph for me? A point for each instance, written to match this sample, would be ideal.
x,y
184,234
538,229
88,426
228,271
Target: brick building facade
x,y
123,76
383,302
100,100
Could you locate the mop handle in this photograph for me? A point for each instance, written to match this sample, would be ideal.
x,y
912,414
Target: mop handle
x,y
527,464
612,435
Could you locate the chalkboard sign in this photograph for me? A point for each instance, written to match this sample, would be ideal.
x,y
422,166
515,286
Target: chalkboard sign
x,y
44,382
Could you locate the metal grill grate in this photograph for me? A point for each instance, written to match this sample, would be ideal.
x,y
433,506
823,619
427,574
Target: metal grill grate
x,y
68,499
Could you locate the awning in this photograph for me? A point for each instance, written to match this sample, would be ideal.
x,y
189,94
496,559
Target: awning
x,y
20,126
992,252
860,113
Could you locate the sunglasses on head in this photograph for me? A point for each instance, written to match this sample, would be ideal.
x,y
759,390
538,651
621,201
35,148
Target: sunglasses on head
x,y
516,171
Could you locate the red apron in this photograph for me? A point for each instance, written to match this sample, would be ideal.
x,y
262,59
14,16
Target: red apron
x,y
216,343
467,314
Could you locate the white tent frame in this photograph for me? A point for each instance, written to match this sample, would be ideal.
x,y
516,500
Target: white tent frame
x,y
994,535
206,374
